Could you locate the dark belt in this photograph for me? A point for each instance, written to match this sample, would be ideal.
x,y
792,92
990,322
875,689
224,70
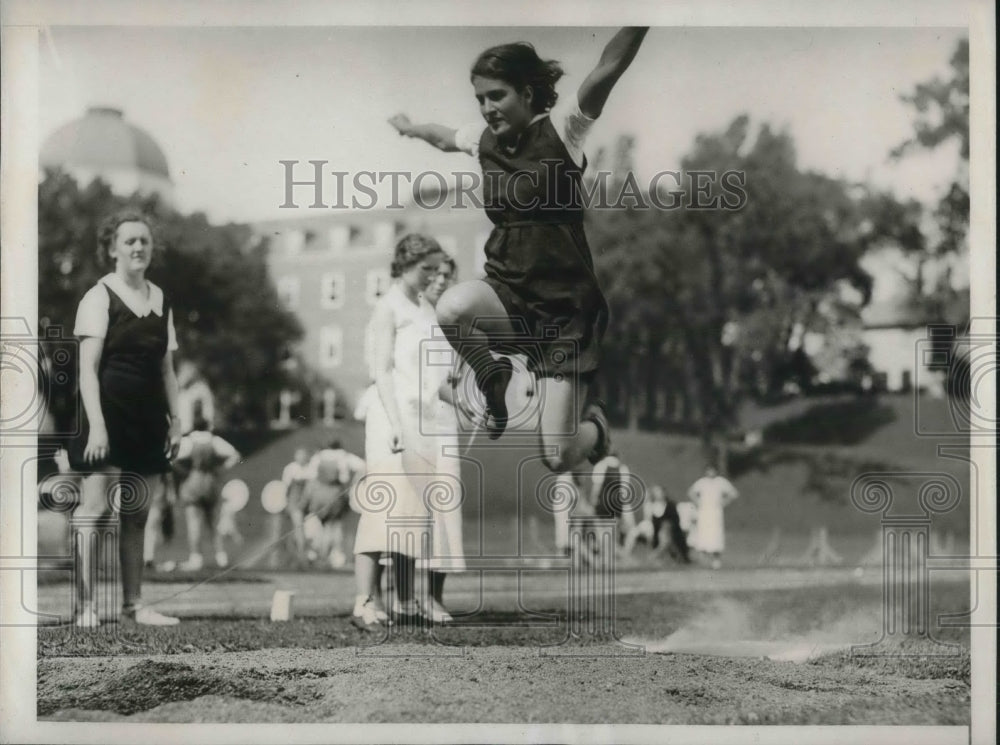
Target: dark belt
x,y
533,223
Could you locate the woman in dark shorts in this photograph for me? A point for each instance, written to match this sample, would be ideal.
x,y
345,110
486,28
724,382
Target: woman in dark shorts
x,y
540,296
129,395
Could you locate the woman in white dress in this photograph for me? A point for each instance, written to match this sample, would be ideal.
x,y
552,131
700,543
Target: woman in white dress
x,y
448,547
711,494
400,454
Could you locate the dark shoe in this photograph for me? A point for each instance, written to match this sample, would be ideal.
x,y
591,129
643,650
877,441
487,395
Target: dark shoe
x,y
494,388
596,413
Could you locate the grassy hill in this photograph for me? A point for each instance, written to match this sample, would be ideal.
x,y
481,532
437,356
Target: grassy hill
x,y
787,485
798,480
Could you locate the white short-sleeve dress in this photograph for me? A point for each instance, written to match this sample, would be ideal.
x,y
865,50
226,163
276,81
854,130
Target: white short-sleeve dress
x,y
402,484
711,494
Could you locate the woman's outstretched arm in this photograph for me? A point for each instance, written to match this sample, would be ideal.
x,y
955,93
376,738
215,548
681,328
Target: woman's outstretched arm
x,y
438,135
617,56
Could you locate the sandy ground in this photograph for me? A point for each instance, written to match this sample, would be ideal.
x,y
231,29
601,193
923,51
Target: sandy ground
x,y
490,685
729,647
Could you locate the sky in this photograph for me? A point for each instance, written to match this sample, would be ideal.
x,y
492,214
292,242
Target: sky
x,y
227,104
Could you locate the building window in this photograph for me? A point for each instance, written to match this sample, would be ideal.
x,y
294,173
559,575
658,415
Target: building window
x,y
340,237
331,346
288,291
376,283
383,234
332,288
294,241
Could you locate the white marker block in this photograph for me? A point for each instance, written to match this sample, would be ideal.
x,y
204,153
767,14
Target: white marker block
x,y
281,606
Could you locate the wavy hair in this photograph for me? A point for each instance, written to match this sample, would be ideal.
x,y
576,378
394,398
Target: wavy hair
x,y
108,230
412,249
519,65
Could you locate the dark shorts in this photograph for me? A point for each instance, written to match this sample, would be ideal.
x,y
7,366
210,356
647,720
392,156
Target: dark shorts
x,y
543,276
199,490
296,496
327,501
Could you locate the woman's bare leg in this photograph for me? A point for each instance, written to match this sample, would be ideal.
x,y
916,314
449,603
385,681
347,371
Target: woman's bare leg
x,y
403,567
134,515
95,505
366,574
193,517
561,425
436,580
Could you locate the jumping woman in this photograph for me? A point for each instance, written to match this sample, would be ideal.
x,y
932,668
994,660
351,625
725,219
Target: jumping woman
x,y
540,296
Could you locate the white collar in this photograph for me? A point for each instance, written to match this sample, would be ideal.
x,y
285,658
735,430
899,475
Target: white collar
x,y
133,300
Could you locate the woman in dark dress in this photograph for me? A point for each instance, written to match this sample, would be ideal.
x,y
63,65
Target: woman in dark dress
x,y
540,296
129,394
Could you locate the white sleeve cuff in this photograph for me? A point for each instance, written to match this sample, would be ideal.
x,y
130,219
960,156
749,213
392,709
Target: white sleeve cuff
x,y
573,127
467,138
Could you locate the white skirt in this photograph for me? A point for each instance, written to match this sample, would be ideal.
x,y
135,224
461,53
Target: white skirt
x,y
446,502
710,531
390,498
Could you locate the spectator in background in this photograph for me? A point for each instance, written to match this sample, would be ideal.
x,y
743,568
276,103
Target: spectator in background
x,y
570,501
295,476
200,459
670,525
333,473
687,514
650,528
661,526
612,493
129,393
711,493
194,398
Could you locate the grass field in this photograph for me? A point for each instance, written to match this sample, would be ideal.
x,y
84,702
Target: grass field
x,y
785,487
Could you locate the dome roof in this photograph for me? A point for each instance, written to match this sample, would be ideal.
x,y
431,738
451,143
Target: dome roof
x,y
104,140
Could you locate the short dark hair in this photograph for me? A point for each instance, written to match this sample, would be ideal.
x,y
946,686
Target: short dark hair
x,y
335,444
519,65
412,249
108,231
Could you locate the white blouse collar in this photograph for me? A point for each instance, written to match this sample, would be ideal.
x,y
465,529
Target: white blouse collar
x,y
134,300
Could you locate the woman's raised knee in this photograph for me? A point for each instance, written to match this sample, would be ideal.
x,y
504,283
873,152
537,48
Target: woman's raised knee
x,y
453,306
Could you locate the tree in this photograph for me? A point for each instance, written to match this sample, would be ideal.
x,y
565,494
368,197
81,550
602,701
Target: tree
x,y
708,299
942,116
942,108
229,320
